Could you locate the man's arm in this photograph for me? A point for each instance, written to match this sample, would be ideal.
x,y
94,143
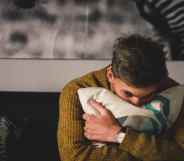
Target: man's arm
x,y
151,147
73,146
167,146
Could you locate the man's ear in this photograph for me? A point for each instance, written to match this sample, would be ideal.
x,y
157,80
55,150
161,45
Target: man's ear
x,y
109,74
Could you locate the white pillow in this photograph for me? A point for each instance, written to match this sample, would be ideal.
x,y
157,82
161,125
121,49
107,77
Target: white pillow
x,y
153,117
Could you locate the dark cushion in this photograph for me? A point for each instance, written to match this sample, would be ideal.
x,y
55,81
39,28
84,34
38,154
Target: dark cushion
x,y
33,118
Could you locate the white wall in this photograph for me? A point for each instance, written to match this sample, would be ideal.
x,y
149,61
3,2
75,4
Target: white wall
x,y
51,75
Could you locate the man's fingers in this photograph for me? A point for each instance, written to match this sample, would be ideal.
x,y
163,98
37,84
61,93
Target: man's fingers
x,y
88,117
93,136
97,106
90,136
85,116
88,129
92,130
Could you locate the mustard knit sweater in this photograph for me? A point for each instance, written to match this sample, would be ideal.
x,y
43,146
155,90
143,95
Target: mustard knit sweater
x,y
73,146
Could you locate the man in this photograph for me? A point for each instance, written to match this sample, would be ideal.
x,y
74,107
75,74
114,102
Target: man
x,y
137,72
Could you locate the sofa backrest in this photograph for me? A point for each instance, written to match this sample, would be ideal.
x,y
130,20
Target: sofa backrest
x,y
34,117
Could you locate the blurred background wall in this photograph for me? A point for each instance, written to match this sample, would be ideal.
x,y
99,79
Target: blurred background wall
x,y
66,29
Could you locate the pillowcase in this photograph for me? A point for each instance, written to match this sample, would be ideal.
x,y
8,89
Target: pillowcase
x,y
153,117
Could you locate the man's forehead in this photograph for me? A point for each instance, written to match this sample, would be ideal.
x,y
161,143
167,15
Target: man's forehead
x,y
141,92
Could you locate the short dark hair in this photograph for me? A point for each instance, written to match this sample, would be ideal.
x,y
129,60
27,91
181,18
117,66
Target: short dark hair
x,y
138,60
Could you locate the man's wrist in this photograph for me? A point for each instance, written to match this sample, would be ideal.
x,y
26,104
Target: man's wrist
x,y
120,135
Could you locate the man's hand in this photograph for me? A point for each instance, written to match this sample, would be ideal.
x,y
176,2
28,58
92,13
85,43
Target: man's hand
x,y
103,127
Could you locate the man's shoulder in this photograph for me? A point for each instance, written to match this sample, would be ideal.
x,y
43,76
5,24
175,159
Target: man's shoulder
x,y
94,78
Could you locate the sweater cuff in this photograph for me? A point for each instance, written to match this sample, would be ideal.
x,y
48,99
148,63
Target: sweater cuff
x,y
120,137
128,143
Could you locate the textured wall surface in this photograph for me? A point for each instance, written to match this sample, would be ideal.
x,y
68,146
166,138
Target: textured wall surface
x,y
66,29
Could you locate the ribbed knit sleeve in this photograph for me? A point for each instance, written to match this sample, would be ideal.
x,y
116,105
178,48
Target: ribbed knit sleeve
x,y
72,144
149,147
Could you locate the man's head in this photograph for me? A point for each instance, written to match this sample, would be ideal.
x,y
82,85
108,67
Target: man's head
x,y
138,67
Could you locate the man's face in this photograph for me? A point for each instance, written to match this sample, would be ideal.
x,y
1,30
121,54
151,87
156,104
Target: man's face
x,y
131,94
